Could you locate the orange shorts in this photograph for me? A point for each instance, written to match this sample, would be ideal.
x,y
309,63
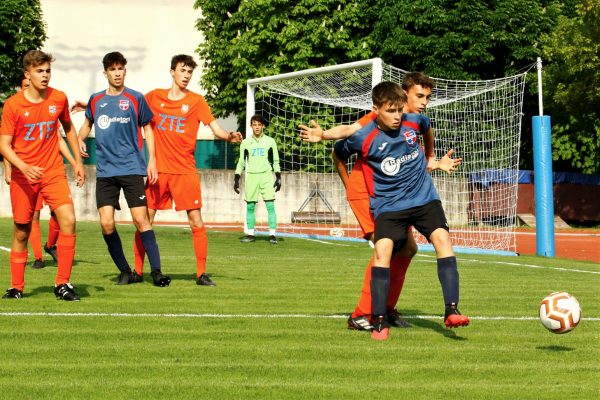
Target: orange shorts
x,y
40,203
362,212
184,190
24,196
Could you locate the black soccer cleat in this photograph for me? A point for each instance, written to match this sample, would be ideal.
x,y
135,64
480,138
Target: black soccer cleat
x,y
38,264
52,251
159,279
248,239
204,280
13,293
135,278
359,323
66,292
273,239
124,278
395,319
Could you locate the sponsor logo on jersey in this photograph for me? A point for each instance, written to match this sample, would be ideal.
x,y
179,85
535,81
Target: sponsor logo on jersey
x,y
390,165
104,121
411,137
52,110
184,108
124,105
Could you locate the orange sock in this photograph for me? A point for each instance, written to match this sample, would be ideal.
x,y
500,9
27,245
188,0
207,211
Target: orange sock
x,y
35,240
200,243
53,230
65,249
398,268
139,253
364,303
17,269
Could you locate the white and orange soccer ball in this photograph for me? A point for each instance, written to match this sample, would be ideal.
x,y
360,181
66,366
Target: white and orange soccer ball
x,y
560,312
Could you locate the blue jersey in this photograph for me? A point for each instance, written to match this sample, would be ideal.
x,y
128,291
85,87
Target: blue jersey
x,y
396,167
117,123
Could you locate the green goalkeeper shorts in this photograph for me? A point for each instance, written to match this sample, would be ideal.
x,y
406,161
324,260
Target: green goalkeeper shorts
x,y
261,183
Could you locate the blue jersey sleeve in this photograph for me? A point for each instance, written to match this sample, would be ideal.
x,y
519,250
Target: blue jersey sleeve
x,y
88,110
342,150
145,114
424,124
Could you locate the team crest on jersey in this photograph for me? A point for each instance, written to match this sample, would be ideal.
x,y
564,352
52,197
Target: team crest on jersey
x,y
124,105
52,110
411,137
184,108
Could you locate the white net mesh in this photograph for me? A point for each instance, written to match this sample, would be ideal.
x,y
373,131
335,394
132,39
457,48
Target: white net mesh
x,y
481,120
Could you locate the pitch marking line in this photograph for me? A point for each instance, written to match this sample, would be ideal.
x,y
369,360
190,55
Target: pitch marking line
x,y
246,316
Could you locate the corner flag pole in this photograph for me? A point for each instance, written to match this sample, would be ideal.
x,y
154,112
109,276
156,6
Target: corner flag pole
x,y
542,167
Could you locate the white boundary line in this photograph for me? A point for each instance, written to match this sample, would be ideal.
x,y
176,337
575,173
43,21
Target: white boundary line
x,y
245,316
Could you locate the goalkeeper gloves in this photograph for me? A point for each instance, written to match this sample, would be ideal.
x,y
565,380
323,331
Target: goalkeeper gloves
x,y
277,184
236,183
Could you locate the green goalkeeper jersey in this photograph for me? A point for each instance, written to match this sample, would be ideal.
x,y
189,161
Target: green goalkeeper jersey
x,y
258,155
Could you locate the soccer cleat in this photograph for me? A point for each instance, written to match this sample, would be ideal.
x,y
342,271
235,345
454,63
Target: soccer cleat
x,y
124,278
52,251
453,318
159,279
66,292
381,328
395,319
38,264
135,278
359,323
273,239
204,280
13,293
248,239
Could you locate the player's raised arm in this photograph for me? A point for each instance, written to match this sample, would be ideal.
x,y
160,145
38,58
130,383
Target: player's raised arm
x,y
231,137
315,133
447,163
78,106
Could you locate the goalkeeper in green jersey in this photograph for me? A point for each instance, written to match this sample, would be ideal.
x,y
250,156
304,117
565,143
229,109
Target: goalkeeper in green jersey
x,y
258,154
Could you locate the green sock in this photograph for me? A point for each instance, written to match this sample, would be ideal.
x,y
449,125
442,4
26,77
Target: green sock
x,y
272,217
250,218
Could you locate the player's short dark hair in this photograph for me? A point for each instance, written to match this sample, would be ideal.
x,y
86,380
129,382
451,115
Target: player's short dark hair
x,y
33,58
19,82
113,58
417,78
187,61
258,118
388,92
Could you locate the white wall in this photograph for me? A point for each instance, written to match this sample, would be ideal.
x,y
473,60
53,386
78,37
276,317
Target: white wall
x,y
147,32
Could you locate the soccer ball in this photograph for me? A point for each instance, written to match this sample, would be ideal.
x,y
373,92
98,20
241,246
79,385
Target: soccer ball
x,y
337,232
560,312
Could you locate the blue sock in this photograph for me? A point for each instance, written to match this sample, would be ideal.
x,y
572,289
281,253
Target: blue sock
x,y
448,276
151,247
115,249
380,288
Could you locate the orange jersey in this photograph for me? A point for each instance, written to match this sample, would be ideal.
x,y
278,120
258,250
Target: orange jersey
x,y
34,128
356,187
175,126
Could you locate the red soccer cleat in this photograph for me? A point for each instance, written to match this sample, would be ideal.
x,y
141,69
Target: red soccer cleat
x,y
453,318
381,328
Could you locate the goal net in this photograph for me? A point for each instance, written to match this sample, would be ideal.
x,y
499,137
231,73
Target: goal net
x,y
481,120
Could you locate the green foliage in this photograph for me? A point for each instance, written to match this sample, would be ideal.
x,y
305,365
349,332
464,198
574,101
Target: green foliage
x,y
572,86
249,39
22,29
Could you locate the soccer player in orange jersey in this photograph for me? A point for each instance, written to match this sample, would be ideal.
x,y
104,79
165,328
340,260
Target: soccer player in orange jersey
x,y
29,141
418,88
177,116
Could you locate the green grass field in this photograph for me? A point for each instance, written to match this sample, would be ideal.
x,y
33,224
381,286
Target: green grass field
x,y
275,327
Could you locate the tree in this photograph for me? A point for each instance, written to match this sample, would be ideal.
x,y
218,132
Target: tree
x,y
22,29
249,39
572,89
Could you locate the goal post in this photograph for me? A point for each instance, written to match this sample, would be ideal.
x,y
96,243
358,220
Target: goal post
x,y
481,120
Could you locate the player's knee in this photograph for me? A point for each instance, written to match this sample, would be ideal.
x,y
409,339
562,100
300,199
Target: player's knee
x,y
408,250
107,225
22,232
440,238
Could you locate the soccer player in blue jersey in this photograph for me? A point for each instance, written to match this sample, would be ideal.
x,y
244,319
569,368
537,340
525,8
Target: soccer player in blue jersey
x,y
118,115
402,194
